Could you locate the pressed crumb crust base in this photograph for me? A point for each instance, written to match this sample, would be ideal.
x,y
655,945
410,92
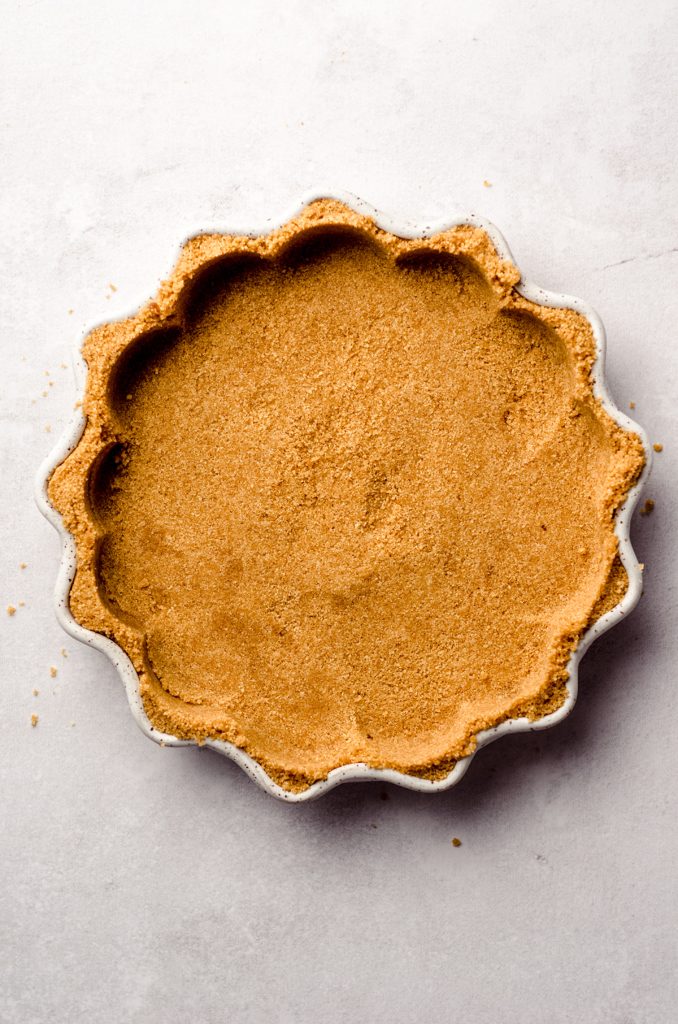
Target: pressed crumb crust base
x,y
344,497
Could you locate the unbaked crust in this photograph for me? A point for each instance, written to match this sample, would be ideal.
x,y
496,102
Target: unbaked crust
x,y
294,751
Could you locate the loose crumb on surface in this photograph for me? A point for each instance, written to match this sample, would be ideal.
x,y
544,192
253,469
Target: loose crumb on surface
x,y
72,724
53,671
487,184
23,565
45,393
64,366
647,508
36,692
22,604
456,842
658,447
70,312
632,405
641,566
64,652
48,429
34,720
113,287
11,609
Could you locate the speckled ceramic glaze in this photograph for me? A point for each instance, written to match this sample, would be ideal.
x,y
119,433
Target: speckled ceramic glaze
x,y
354,772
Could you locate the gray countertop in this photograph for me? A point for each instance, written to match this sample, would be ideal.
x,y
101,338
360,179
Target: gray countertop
x,y
142,884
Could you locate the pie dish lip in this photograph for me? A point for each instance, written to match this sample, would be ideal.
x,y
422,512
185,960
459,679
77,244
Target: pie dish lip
x,y
359,771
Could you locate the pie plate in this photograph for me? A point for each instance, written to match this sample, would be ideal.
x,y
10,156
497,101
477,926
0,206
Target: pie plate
x,y
361,771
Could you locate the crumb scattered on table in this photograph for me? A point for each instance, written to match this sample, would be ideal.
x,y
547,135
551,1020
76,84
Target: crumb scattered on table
x,y
647,508
11,609
632,405
22,604
23,565
34,720
487,184
456,842
48,429
64,652
658,447
36,692
53,671
70,312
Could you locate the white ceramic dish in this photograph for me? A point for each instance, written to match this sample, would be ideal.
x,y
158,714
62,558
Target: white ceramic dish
x,y
355,772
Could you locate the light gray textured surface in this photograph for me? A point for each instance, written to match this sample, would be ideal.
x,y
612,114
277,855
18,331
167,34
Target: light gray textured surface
x,y
139,884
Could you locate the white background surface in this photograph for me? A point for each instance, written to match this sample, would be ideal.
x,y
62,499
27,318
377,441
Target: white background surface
x,y
141,885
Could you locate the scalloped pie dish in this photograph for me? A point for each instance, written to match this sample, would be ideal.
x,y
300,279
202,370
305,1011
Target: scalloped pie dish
x,y
344,497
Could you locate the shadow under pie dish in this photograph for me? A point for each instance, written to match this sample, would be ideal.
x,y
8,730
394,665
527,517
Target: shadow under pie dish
x,y
347,500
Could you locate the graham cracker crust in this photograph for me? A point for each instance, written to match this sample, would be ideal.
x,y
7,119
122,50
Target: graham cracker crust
x,y
344,497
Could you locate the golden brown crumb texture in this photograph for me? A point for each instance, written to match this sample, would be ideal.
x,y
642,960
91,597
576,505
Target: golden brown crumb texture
x,y
345,497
